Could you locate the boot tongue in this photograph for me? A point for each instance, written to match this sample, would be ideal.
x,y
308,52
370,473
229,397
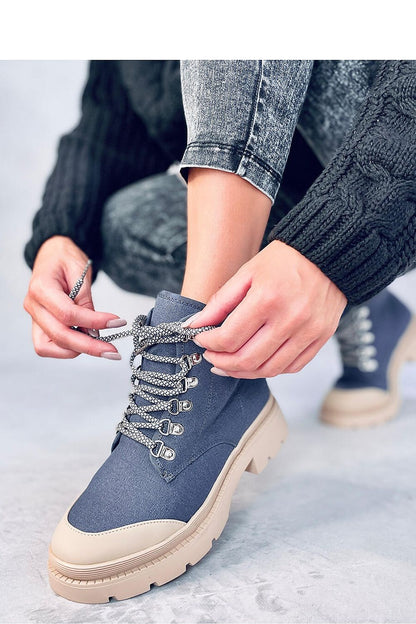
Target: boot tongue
x,y
169,307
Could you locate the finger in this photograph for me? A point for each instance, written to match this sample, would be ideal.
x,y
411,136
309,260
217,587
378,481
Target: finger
x,y
305,357
284,356
274,365
66,338
235,374
94,333
71,314
257,350
222,302
239,327
84,297
44,346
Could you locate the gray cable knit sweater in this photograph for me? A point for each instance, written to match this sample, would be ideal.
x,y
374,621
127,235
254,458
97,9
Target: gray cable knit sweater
x,y
357,221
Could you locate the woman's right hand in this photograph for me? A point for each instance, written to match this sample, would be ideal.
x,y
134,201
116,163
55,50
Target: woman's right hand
x,y
58,265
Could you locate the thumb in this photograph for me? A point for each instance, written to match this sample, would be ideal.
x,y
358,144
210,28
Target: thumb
x,y
222,302
74,275
84,299
84,295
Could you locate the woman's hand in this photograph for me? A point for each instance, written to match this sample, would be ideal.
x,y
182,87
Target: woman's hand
x,y
58,265
279,310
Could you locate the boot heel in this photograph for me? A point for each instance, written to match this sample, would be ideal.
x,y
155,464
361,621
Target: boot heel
x,y
267,440
411,332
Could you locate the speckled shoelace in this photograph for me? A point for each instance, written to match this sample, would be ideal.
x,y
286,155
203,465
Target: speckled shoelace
x,y
155,383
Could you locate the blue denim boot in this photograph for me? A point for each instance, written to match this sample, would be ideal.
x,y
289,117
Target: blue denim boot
x,y
375,339
164,492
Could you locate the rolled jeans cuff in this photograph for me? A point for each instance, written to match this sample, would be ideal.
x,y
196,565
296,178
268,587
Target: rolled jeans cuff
x,y
232,159
241,116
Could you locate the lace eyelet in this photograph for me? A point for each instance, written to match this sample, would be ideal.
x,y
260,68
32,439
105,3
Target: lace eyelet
x,y
188,382
167,427
191,360
177,429
180,406
368,366
363,312
368,337
186,363
160,450
174,410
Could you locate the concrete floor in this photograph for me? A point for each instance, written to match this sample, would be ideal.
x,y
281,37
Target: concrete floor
x,y
325,534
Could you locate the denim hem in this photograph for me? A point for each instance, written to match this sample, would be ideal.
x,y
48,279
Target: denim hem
x,y
233,159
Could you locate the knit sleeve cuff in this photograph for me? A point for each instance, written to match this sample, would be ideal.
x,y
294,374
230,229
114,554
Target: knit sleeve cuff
x,y
44,232
357,222
359,260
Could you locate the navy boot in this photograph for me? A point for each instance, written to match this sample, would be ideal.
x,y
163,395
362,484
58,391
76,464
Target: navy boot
x,y
375,339
164,493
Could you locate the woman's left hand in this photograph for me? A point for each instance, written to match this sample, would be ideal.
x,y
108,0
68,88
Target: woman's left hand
x,y
276,312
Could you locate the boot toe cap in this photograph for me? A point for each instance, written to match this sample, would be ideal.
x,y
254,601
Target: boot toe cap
x,y
359,407
71,545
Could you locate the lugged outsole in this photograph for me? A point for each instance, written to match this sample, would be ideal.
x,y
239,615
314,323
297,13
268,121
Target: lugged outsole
x,y
116,580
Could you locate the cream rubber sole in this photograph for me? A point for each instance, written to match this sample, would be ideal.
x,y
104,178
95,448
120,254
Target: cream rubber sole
x,y
133,575
365,407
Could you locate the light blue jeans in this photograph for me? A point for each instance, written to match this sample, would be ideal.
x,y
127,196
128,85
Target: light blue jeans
x,y
242,117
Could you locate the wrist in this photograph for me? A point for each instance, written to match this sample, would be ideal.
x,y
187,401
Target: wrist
x,y
62,248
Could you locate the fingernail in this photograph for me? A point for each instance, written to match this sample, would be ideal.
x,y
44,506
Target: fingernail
x,y
94,333
196,341
111,355
206,357
190,320
219,371
116,323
